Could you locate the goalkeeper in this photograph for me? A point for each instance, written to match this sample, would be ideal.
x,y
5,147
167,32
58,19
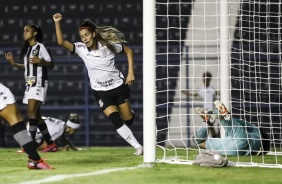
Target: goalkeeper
x,y
58,130
237,137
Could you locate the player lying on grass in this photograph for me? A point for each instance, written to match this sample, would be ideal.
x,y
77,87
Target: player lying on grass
x,y
58,130
10,112
238,137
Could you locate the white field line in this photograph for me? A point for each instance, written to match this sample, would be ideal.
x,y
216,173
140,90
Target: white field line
x,y
67,176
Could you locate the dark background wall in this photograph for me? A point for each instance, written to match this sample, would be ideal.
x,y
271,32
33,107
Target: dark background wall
x,y
69,89
258,31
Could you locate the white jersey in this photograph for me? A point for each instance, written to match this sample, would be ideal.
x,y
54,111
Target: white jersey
x,y
36,74
56,128
100,65
208,95
6,96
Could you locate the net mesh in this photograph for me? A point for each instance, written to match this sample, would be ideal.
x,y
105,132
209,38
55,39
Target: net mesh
x,y
188,49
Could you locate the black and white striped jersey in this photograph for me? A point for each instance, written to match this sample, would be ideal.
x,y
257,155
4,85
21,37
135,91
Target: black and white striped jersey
x,y
100,65
37,71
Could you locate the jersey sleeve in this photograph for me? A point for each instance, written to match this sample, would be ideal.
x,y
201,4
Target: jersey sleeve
x,y
45,54
118,47
78,48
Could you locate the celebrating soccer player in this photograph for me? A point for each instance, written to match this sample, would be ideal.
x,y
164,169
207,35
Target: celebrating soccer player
x,y
111,89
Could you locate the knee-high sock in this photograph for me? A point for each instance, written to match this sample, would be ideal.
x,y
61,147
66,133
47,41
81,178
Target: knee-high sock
x,y
127,135
45,133
25,141
33,124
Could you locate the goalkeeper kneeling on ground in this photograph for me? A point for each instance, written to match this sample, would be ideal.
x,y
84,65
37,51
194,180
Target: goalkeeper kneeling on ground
x,y
58,130
237,137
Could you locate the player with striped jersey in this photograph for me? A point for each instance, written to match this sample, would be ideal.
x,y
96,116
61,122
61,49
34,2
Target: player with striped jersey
x,y
98,48
36,60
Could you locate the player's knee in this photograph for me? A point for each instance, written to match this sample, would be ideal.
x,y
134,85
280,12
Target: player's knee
x,y
130,121
116,120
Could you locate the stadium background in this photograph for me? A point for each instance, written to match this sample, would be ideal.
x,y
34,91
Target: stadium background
x,y
69,89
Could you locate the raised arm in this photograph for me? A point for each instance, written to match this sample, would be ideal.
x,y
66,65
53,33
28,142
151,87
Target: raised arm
x,y
10,59
130,76
60,39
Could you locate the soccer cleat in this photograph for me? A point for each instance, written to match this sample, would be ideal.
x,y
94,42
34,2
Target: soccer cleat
x,y
40,164
50,148
139,151
222,110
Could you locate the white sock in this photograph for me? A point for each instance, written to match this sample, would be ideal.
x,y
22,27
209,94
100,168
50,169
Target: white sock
x,y
127,135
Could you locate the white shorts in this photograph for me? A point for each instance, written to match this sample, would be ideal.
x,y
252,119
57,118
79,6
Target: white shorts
x,y
6,96
36,93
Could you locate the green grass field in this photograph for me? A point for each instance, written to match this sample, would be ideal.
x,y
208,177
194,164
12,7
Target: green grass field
x,y
118,165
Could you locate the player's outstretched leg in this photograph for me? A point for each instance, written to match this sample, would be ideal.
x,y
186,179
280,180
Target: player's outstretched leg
x,y
222,110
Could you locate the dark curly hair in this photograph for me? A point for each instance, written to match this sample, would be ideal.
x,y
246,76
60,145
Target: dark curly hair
x,y
38,37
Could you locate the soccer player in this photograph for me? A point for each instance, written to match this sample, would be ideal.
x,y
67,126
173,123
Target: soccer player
x,y
238,137
36,60
111,89
207,92
10,112
58,130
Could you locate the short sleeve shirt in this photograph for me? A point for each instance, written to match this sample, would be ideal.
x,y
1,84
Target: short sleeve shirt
x,y
208,95
56,128
100,65
37,70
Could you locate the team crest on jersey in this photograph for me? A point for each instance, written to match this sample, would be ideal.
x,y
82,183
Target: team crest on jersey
x,y
101,103
34,52
104,52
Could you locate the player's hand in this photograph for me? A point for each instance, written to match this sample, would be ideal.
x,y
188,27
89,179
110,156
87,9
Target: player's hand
x,y
34,60
57,17
9,57
75,148
129,79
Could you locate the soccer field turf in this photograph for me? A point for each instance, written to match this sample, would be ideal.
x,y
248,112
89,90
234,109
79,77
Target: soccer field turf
x,y
103,165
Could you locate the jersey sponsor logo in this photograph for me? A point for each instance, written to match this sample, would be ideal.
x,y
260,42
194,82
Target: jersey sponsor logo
x,y
106,83
101,103
29,80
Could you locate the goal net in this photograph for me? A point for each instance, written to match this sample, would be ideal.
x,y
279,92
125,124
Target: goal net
x,y
230,49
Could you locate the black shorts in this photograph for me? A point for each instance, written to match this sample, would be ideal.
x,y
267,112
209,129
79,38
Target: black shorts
x,y
115,96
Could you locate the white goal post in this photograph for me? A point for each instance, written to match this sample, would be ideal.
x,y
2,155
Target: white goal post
x,y
238,42
149,78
